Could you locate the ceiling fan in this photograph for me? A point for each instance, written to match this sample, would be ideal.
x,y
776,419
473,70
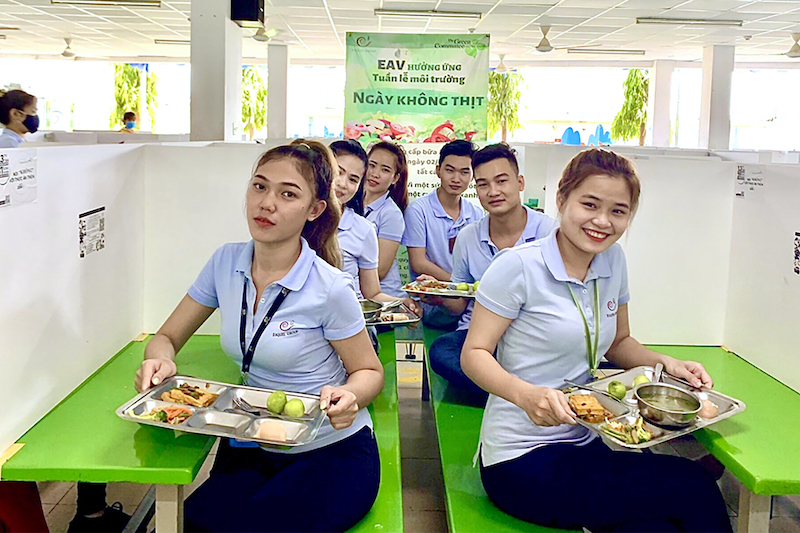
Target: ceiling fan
x,y
264,35
794,51
544,45
501,67
68,52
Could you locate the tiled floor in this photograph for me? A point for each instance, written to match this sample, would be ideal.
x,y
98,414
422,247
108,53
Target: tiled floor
x,y
423,493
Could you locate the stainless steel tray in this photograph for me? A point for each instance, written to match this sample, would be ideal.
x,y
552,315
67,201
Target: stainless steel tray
x,y
399,308
223,418
727,405
615,407
416,287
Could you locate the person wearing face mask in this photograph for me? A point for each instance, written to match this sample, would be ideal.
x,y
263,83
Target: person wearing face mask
x,y
129,119
18,115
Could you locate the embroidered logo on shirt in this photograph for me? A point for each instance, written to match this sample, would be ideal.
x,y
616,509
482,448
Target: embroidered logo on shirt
x,y
612,306
286,329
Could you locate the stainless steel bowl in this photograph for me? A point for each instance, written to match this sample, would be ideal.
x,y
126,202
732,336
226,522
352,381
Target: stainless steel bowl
x,y
652,397
371,309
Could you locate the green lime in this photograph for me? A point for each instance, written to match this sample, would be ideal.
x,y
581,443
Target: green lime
x,y
638,380
276,402
294,408
462,287
617,390
475,286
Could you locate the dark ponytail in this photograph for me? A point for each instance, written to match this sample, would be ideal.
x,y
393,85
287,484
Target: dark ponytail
x,y
315,162
398,191
15,99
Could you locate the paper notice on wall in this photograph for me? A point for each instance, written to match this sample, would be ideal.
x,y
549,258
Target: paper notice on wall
x,y
422,160
92,231
797,252
750,181
17,177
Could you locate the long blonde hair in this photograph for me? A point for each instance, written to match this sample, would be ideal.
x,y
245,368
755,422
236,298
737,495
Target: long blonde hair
x,y
315,162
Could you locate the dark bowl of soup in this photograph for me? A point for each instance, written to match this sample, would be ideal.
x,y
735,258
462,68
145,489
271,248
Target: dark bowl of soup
x,y
371,309
667,405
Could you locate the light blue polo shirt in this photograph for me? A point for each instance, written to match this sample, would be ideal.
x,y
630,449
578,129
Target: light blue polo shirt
x,y
388,221
474,250
359,244
294,353
10,139
545,342
429,226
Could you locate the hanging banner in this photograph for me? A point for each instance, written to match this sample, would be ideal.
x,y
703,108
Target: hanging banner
x,y
17,177
415,88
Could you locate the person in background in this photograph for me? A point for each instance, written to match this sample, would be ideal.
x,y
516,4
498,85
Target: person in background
x,y
129,120
550,310
93,514
315,343
385,200
507,223
18,115
433,223
21,508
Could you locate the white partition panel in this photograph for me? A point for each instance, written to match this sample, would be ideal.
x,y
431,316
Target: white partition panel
x,y
62,316
195,204
763,309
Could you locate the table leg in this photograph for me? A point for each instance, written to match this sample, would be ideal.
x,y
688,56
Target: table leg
x,y
169,508
753,512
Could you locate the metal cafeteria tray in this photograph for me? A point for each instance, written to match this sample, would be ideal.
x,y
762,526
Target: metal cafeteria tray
x,y
223,418
415,287
727,405
615,407
399,308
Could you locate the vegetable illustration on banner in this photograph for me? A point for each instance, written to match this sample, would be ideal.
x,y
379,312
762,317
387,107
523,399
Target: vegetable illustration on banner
x,y
416,88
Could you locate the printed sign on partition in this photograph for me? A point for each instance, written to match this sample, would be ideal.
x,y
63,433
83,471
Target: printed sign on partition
x,y
17,177
92,231
416,87
750,181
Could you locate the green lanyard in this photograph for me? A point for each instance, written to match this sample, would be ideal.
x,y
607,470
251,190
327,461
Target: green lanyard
x,y
591,347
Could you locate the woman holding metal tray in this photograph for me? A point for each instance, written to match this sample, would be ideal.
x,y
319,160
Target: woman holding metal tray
x,y
551,308
288,310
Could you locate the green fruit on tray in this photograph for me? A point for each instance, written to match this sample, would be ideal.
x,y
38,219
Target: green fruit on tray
x,y
462,287
638,380
475,286
276,402
617,390
294,408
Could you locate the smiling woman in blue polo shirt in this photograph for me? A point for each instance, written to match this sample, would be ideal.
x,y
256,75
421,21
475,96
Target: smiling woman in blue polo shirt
x,y
315,343
536,305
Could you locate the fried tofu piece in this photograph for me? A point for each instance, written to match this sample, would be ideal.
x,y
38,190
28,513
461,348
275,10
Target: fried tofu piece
x,y
588,408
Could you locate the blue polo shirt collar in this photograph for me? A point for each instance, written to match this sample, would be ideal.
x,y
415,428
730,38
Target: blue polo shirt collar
x,y
346,222
294,279
377,204
599,268
439,212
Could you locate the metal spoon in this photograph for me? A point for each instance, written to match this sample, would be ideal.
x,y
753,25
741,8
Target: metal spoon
x,y
585,387
659,369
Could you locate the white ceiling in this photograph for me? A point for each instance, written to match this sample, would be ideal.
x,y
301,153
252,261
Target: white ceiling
x,y
315,29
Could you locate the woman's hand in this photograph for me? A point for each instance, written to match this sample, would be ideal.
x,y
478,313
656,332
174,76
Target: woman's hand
x,y
429,299
154,371
341,405
692,371
545,406
413,306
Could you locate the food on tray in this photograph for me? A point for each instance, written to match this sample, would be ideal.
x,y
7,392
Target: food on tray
x,y
294,408
395,317
271,430
189,395
276,402
475,286
628,433
617,389
708,410
428,285
638,380
170,415
588,408
462,287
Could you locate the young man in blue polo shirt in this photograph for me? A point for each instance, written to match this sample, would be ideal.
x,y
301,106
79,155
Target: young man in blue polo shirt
x,y
508,223
434,221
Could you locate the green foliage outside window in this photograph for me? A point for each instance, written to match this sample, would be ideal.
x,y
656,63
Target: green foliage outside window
x,y
631,120
503,106
127,85
254,101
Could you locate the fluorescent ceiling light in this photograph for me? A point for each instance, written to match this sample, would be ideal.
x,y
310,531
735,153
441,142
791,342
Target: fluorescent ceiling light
x,y
604,51
416,13
126,3
171,41
691,22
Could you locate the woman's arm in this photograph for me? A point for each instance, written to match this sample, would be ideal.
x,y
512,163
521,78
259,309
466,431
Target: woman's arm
x,y
544,406
627,352
364,382
387,252
159,354
371,290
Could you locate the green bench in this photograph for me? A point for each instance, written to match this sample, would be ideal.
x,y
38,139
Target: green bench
x,y
82,439
759,446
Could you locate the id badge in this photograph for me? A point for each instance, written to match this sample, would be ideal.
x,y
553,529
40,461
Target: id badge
x,y
245,379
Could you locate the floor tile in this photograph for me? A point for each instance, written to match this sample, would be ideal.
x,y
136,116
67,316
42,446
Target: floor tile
x,y
729,487
426,522
58,519
53,491
422,485
47,507
786,506
784,524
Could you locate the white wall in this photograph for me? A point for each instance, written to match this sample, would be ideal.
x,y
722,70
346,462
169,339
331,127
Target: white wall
x,y
62,317
763,310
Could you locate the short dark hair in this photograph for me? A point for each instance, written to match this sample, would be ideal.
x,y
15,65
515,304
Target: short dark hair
x,y
354,148
15,99
459,148
495,151
129,115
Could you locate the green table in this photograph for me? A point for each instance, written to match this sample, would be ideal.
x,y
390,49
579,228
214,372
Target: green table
x,y
82,439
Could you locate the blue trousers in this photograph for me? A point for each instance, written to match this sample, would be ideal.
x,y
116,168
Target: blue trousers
x,y
569,487
437,316
250,489
445,358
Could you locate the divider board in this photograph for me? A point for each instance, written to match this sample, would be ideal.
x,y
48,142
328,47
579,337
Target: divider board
x,y
677,247
62,317
763,310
